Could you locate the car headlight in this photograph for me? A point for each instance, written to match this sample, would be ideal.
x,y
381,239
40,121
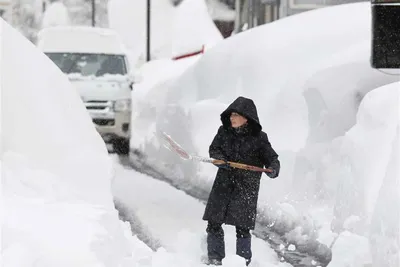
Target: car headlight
x,y
122,105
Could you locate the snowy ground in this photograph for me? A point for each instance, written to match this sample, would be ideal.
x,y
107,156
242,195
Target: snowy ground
x,y
174,218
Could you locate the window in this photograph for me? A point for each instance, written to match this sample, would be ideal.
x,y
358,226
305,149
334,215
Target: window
x,y
89,64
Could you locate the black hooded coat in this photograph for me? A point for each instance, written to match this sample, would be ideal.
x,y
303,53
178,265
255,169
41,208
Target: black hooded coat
x,y
234,195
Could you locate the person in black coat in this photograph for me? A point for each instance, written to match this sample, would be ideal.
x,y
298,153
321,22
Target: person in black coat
x,y
234,195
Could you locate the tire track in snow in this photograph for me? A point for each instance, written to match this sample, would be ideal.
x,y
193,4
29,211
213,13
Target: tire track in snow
x,y
299,258
137,227
173,217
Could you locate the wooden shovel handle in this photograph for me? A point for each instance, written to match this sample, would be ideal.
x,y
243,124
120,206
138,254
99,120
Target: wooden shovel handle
x,y
241,166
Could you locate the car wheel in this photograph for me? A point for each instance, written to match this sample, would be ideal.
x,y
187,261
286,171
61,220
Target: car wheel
x,y
121,146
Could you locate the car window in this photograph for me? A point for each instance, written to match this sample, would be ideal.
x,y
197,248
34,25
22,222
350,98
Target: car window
x,y
89,64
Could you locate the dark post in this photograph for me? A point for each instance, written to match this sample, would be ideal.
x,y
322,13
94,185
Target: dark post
x,y
148,32
385,49
250,14
93,13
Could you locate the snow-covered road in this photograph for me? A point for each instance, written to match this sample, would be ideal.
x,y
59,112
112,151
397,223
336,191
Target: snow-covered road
x,y
174,218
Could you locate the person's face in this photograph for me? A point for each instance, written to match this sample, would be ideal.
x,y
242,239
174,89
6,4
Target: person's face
x,y
237,120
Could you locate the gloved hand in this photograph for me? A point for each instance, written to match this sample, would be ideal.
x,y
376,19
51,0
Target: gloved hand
x,y
224,165
272,174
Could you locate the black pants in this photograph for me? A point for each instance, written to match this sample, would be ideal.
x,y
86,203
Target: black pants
x,y
216,243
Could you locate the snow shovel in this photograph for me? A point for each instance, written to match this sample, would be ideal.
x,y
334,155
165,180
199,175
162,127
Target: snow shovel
x,y
174,146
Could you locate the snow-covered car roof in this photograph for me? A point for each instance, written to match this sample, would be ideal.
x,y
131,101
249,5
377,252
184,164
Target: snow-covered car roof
x,y
80,39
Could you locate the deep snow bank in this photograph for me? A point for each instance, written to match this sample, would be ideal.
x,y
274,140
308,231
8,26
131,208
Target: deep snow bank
x,y
43,118
385,229
368,183
273,64
263,62
56,170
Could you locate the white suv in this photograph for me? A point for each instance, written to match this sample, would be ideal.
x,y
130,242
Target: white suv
x,y
96,62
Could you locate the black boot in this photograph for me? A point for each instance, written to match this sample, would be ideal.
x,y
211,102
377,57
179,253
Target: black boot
x,y
215,247
215,243
243,248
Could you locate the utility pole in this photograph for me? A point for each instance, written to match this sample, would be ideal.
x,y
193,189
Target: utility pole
x,y
93,13
250,14
238,16
148,31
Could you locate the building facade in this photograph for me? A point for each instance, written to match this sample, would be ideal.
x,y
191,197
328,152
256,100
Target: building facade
x,y
252,13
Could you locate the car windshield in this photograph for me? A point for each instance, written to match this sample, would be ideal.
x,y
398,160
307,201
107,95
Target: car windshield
x,y
89,64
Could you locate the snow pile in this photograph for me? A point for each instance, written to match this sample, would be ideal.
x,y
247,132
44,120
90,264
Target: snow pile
x,y
281,50
385,230
220,11
351,250
150,94
374,134
55,15
369,186
174,30
225,72
193,28
307,82
56,171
